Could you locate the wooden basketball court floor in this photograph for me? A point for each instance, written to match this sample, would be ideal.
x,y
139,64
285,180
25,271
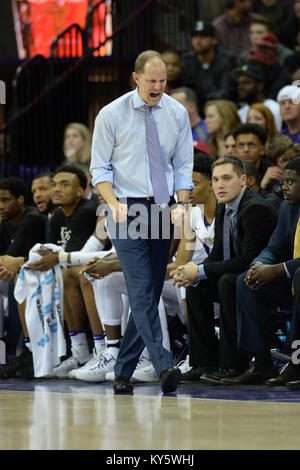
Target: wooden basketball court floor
x,y
71,415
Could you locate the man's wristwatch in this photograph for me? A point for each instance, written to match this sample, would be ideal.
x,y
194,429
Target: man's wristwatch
x,y
184,203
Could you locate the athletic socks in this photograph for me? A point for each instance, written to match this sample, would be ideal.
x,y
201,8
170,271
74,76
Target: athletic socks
x,y
99,343
79,344
114,346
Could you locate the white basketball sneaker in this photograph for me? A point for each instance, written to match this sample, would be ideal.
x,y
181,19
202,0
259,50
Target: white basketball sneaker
x,y
98,372
88,365
110,376
145,374
74,362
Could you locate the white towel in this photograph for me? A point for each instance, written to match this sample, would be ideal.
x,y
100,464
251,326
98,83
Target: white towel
x,y
43,291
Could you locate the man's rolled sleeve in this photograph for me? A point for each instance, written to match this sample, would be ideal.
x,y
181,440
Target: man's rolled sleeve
x,y
183,160
99,176
102,149
183,183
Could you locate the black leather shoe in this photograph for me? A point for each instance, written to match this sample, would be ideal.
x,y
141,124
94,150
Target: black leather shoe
x,y
169,379
251,377
293,385
218,375
122,384
288,374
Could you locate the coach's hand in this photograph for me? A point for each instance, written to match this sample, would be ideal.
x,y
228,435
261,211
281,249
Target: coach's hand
x,y
178,214
119,212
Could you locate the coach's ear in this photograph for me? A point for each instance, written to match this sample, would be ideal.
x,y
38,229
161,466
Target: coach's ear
x,y
136,78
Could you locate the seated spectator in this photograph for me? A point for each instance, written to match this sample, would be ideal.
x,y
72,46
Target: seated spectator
x,y
258,29
220,117
67,184
188,98
77,143
175,76
41,189
208,65
237,237
250,146
262,116
250,90
268,283
89,193
233,26
289,102
252,182
197,238
276,12
230,145
21,226
20,229
41,193
279,151
264,55
71,227
288,31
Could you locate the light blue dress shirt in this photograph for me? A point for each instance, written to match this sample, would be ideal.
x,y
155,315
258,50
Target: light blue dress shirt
x,y
119,153
233,230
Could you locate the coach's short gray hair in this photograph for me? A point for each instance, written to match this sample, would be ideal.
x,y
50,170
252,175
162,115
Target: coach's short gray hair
x,y
144,57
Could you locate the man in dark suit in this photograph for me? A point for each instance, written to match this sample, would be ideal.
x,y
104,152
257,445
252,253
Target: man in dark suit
x,y
243,226
269,283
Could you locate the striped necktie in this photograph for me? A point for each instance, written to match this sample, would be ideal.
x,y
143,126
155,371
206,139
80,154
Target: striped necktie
x,y
157,171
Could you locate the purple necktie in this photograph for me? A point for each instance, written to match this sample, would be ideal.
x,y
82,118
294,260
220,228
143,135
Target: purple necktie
x,y
226,234
157,171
